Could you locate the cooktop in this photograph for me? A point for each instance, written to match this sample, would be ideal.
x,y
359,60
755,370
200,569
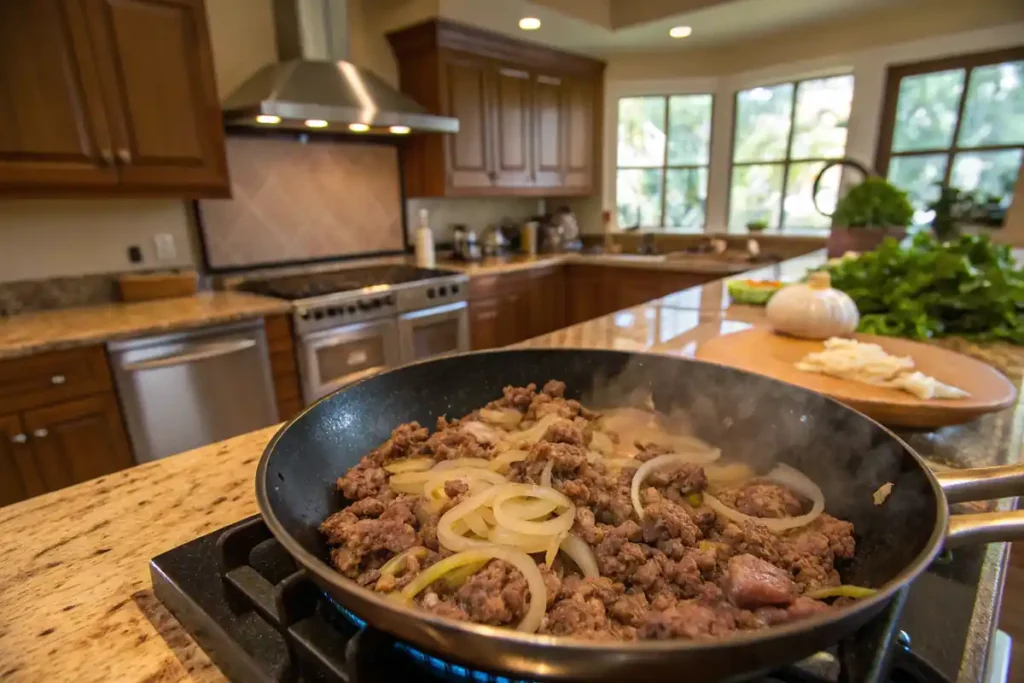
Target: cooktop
x,y
295,287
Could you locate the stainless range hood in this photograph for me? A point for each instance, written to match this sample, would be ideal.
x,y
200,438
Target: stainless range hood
x,y
313,88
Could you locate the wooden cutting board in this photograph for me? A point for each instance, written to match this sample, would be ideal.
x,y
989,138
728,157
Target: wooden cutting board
x,y
762,351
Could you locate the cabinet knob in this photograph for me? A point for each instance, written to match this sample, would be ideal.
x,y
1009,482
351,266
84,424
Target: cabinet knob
x,y
124,155
19,438
41,433
58,379
493,175
106,156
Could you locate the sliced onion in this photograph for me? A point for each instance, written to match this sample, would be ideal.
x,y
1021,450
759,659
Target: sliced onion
x,y
476,523
662,462
844,591
397,563
602,443
784,475
729,475
502,461
488,516
459,463
447,535
470,474
525,542
518,559
529,509
536,432
409,465
545,476
622,463
409,482
581,553
552,551
485,434
548,527
509,418
457,577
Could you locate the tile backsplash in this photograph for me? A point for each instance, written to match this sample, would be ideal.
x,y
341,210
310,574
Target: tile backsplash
x,y
475,213
295,201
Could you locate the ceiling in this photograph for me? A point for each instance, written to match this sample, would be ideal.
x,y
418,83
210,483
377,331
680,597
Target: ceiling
x,y
602,27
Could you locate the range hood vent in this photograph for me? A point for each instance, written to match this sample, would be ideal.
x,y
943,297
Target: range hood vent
x,y
313,88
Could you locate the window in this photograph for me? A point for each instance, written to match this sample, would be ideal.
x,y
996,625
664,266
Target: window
x,y
783,136
954,122
662,167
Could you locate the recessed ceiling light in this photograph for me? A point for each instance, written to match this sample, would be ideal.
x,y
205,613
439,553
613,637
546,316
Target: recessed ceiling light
x,y
680,31
358,127
316,123
399,130
529,23
268,119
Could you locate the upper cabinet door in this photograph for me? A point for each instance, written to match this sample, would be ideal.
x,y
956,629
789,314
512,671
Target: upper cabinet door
x,y
157,67
578,111
52,127
512,134
549,150
469,151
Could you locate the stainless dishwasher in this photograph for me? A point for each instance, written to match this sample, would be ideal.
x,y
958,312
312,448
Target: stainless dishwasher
x,y
184,390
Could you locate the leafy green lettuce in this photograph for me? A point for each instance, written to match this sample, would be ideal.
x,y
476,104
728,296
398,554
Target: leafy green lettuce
x,y
968,287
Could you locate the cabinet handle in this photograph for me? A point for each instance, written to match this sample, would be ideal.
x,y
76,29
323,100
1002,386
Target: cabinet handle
x,y
106,156
124,155
41,433
58,379
19,438
514,73
549,80
493,175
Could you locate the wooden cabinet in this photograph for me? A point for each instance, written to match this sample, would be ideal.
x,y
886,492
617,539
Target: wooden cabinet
x,y
527,114
593,291
61,423
77,440
509,308
109,98
283,365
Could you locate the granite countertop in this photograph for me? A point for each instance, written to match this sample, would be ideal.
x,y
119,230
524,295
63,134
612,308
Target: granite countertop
x,y
28,333
681,263
74,577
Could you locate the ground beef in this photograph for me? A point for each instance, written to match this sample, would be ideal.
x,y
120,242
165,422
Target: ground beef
x,y
676,571
763,500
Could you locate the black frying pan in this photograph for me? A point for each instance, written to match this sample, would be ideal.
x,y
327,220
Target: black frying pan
x,y
751,417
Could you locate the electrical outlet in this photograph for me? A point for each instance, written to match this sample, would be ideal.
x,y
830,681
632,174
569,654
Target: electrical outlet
x,y
166,250
134,254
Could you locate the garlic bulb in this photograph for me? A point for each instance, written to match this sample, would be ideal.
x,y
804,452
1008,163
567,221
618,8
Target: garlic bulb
x,y
813,310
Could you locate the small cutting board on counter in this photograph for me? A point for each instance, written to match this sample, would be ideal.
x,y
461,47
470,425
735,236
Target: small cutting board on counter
x,y
762,351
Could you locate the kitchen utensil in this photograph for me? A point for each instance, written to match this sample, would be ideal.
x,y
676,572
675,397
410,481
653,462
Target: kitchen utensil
x,y
530,237
757,419
762,351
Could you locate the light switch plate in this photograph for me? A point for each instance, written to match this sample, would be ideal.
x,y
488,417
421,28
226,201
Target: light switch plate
x,y
166,250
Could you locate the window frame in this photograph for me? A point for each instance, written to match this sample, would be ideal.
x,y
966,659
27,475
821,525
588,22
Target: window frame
x,y
788,160
665,167
895,75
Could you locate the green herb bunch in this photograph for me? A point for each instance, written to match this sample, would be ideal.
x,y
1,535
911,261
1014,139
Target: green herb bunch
x,y
875,203
968,287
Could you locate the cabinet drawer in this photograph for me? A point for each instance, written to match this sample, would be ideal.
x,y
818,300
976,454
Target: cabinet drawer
x,y
52,377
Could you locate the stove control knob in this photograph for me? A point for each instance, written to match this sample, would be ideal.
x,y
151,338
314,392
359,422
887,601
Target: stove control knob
x,y
304,314
455,289
390,300
318,314
376,303
332,311
443,291
351,309
431,293
363,306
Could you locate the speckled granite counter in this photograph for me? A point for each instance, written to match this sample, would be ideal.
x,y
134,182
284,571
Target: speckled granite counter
x,y
75,593
24,334
681,263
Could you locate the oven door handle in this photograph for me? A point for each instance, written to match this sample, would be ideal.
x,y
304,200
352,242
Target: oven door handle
x,y
436,310
200,353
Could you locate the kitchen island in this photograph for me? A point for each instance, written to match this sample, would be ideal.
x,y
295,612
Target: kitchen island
x,y
75,594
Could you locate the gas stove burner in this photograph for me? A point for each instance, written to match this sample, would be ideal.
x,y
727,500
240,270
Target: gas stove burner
x,y
298,287
259,617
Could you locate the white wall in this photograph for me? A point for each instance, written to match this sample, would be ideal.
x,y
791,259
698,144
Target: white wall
x,y
868,67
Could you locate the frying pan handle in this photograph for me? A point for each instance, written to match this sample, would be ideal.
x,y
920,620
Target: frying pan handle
x,y
985,527
983,483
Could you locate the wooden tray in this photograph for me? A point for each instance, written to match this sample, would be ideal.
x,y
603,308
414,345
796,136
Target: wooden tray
x,y
764,352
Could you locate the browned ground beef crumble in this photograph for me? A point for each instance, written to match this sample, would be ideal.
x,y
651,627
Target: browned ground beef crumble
x,y
681,572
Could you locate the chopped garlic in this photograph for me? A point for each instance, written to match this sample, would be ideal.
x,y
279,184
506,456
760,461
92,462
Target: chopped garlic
x,y
869,363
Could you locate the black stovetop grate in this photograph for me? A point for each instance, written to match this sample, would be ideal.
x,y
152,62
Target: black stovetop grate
x,y
294,287
244,600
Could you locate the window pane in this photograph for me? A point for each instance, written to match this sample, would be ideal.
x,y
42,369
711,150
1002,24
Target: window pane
x,y
762,123
755,194
686,193
641,131
822,114
638,195
992,173
689,129
994,113
800,212
926,110
917,175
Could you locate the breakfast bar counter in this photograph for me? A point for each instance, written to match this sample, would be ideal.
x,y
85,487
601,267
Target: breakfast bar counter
x,y
76,598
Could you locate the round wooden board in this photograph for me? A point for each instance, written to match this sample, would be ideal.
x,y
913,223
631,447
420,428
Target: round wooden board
x,y
762,351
